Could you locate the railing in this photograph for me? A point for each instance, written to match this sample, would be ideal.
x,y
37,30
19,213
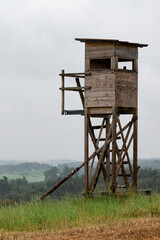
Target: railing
x,y
79,88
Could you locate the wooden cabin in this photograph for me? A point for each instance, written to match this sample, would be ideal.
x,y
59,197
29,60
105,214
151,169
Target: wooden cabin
x,y
113,82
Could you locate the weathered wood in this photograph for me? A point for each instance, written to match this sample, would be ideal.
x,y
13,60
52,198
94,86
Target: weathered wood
x,y
96,146
98,126
108,88
114,63
108,155
124,149
86,148
124,142
99,50
102,90
135,65
126,89
80,92
110,41
74,88
95,143
126,52
79,75
121,160
62,181
135,143
114,122
123,170
101,158
99,112
98,151
62,96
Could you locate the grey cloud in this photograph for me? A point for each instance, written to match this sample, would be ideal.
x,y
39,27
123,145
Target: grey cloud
x,y
37,41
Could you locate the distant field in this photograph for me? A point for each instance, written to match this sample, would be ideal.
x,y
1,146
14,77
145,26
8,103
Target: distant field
x,y
31,176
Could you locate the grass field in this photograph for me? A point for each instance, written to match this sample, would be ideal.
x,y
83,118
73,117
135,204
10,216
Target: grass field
x,y
55,215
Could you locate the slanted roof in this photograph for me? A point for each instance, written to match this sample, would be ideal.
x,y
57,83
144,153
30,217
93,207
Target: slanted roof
x,y
114,41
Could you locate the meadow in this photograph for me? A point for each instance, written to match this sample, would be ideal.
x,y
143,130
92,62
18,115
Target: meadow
x,y
53,215
32,176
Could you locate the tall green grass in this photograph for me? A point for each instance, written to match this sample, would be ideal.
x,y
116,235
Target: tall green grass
x,y
75,212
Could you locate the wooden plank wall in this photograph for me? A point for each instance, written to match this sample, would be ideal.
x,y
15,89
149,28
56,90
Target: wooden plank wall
x,y
102,89
97,51
109,88
126,89
126,52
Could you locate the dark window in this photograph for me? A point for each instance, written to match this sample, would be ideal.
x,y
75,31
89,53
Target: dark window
x,y
100,63
125,64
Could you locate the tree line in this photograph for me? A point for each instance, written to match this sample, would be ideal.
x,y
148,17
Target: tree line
x,y
21,190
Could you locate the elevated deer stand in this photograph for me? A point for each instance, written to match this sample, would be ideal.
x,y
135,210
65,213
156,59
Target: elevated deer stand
x,y
109,94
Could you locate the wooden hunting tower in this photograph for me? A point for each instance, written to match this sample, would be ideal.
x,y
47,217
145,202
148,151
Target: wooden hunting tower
x,y
110,91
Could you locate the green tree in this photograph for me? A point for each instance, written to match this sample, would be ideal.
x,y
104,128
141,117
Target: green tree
x,y
51,174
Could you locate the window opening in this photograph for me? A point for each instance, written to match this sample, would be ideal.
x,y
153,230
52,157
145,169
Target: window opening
x,y
125,64
100,63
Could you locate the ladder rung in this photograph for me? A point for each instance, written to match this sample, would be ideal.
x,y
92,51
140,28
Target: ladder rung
x,y
98,127
101,139
118,150
118,138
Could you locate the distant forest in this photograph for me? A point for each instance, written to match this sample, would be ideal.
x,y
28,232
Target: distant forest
x,y
21,189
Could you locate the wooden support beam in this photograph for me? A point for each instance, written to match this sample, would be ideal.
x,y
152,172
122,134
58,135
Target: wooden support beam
x,y
98,126
101,158
114,123
96,145
79,75
80,91
123,170
108,156
62,95
86,145
96,152
73,88
62,181
135,143
121,160
100,133
125,148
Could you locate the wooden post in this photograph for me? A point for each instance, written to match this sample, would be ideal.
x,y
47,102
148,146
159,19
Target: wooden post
x,y
114,63
107,154
86,145
62,108
135,143
114,123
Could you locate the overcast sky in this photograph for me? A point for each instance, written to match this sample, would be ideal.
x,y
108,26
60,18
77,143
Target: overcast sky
x,y
37,41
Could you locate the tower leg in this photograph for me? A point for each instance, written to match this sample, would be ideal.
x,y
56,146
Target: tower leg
x,y
135,143
114,123
107,155
86,145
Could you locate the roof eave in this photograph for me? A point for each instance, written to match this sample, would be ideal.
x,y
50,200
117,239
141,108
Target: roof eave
x,y
115,41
